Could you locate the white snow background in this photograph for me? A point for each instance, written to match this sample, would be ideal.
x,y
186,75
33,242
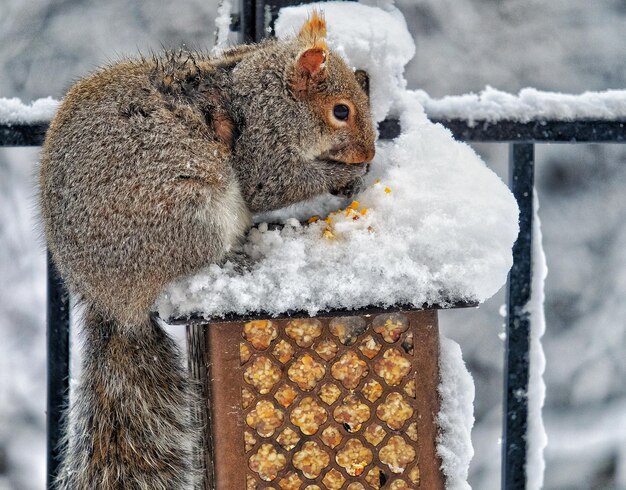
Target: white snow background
x,y
462,45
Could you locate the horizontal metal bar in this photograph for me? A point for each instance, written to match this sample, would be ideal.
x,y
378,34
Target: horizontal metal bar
x,y
539,131
23,134
583,131
369,310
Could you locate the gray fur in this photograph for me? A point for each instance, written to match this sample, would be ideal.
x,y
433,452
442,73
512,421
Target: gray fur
x,y
150,170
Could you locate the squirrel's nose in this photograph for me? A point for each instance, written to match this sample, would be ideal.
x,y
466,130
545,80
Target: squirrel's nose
x,y
370,152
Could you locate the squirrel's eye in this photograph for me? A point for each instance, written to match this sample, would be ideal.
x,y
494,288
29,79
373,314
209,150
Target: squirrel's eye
x,y
341,112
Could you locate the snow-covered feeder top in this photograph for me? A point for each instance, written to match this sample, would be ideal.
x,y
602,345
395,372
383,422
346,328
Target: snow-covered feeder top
x,y
434,225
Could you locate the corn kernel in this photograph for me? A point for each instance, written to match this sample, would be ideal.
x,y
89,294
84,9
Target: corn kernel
x,y
260,333
397,454
391,326
288,439
306,372
351,413
374,434
265,418
395,411
262,374
372,390
333,480
392,367
411,431
311,459
304,331
267,462
308,416
354,457
347,328
331,437
376,477
285,395
290,482
326,349
399,485
329,393
283,351
370,347
349,370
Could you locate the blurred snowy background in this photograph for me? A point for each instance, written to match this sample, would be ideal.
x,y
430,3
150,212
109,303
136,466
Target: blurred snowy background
x,y
462,45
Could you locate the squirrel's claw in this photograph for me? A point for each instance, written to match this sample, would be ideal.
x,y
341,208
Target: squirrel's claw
x,y
351,189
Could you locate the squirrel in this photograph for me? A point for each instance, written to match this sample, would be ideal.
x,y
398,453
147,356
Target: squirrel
x,y
152,169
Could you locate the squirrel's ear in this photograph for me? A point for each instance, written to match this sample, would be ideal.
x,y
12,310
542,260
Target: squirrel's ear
x,y
311,62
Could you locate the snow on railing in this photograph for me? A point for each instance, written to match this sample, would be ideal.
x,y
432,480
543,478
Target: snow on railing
x,y
14,112
488,106
529,104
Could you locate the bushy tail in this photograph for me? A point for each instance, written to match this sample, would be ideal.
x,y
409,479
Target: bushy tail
x,y
129,424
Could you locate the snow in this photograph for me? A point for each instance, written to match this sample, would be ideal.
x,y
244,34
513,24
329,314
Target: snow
x,y
489,105
536,439
494,105
222,24
438,228
456,415
23,335
14,111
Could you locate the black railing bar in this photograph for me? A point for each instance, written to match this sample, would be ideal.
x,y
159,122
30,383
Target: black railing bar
x,y
539,131
369,310
58,366
23,134
517,343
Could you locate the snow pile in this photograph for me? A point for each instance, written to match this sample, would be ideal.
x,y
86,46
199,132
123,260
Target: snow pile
x,y
14,111
494,105
434,224
456,415
536,435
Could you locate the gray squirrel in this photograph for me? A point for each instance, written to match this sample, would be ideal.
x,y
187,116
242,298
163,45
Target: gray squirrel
x,y
151,169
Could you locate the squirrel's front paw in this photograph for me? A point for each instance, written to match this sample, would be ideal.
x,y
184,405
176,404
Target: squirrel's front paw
x,y
353,186
242,263
351,189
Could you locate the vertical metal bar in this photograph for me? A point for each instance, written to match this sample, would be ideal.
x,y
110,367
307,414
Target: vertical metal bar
x,y
516,362
261,8
58,346
247,32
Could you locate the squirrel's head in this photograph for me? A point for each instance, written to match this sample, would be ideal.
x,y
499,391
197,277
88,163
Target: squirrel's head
x,y
322,81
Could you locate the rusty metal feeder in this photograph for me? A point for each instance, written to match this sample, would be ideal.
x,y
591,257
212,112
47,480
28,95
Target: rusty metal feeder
x,y
338,401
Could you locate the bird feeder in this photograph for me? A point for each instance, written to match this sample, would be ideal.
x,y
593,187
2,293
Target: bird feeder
x,y
337,401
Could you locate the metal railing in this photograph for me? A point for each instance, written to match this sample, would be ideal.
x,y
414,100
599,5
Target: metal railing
x,y
254,21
